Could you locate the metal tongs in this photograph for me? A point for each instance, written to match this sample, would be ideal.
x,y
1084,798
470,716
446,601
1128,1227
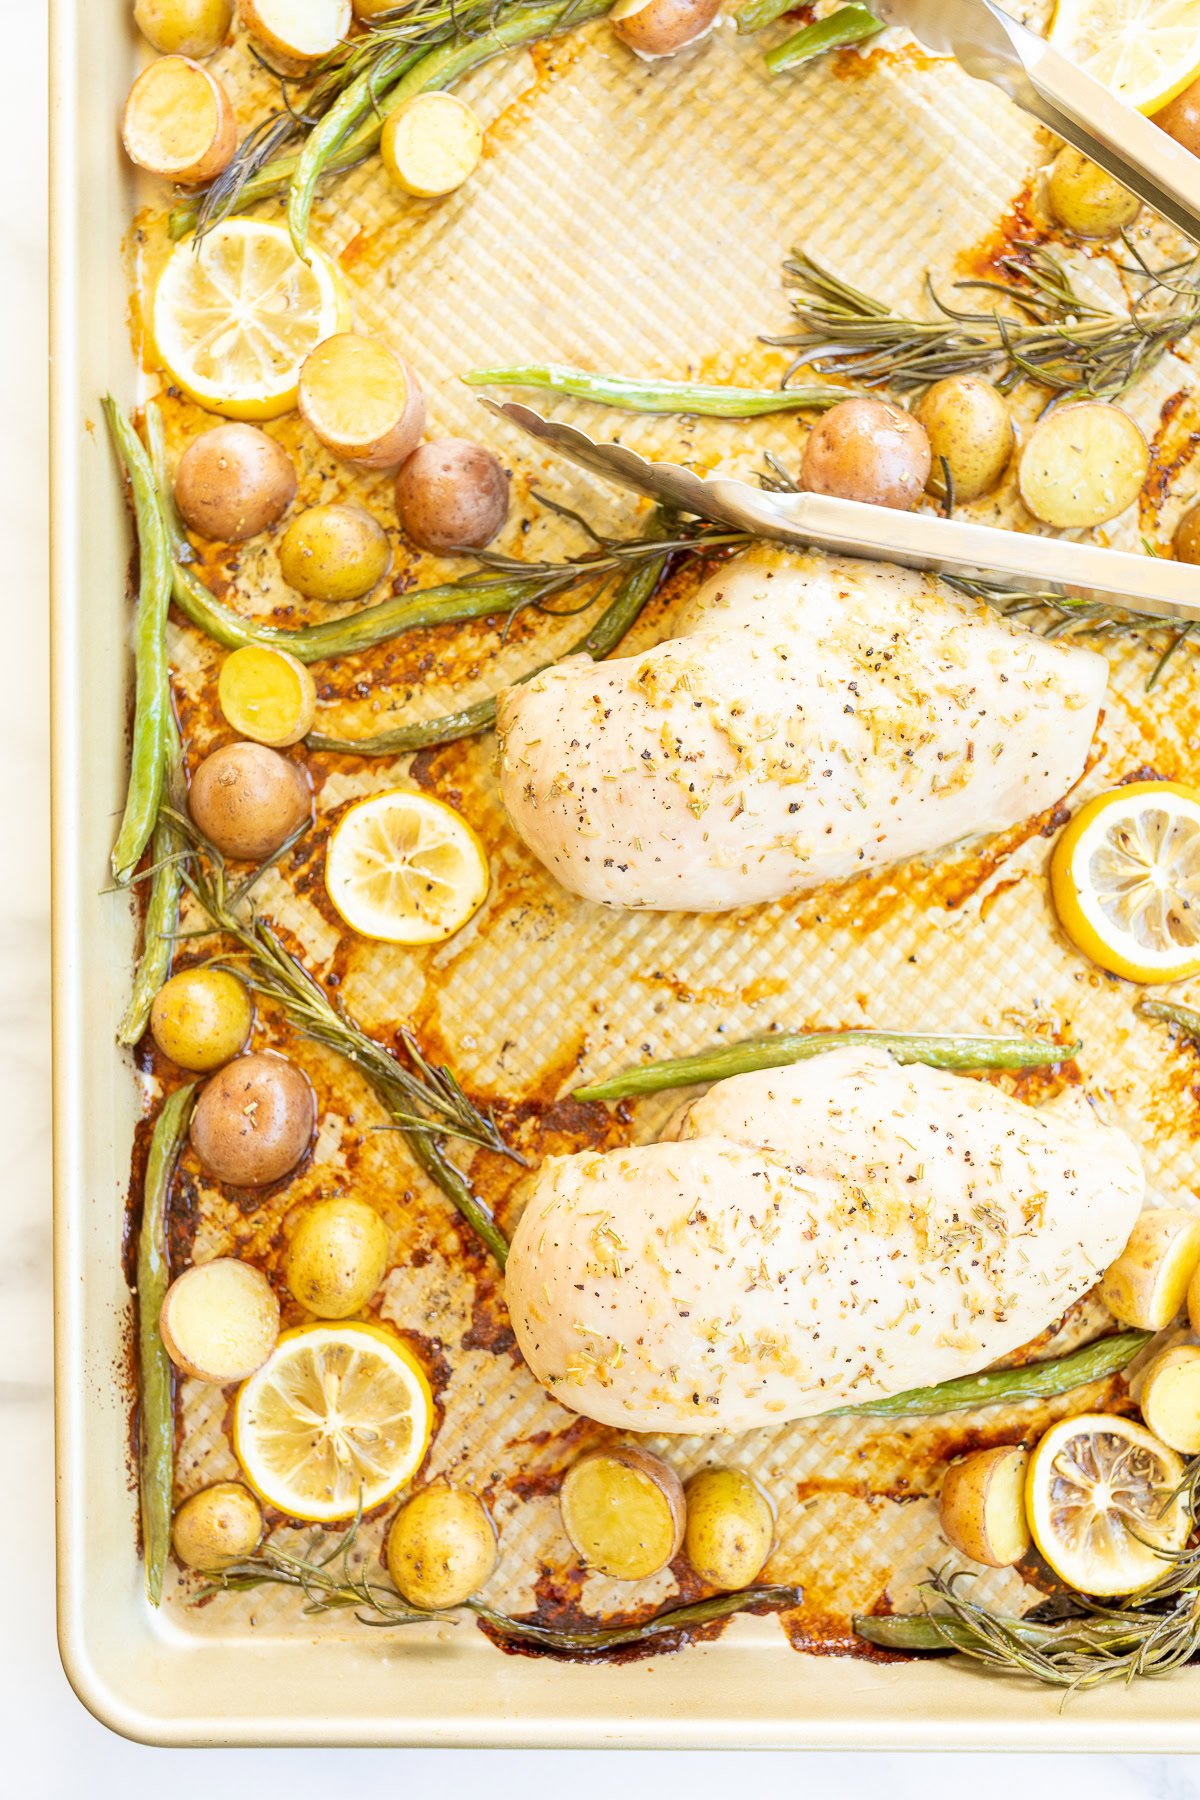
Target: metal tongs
x,y
984,553
992,46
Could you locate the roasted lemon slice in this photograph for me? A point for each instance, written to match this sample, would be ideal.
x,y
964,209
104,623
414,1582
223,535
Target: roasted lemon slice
x,y
236,315
1102,1503
1125,876
1144,51
405,869
337,1412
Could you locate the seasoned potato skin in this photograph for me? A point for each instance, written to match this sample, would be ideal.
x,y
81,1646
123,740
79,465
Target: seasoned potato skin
x,y
1180,117
337,1256
334,552
201,1018
451,495
184,27
441,1547
661,27
233,482
248,800
970,1488
1085,199
967,422
730,1527
1165,1242
867,449
217,1526
254,1120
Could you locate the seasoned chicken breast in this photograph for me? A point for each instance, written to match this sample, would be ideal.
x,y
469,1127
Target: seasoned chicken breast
x,y
813,718
812,1237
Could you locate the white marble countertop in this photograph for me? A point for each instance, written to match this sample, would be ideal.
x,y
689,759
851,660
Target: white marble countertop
x,y
50,1744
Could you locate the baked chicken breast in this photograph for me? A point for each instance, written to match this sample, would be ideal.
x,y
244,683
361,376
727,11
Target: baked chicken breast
x,y
811,719
812,1237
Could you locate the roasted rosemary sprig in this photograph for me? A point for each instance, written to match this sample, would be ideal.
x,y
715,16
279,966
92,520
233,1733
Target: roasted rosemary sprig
x,y
331,1583
1150,1633
426,1103
1047,334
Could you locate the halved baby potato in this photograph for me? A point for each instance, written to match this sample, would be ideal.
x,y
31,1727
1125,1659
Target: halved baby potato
x,y
1082,465
295,34
1147,1284
178,122
267,695
431,144
624,1512
654,28
219,1321
983,1505
1170,1397
361,401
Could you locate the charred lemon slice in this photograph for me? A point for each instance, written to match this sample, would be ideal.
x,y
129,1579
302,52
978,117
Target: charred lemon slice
x,y
1102,1503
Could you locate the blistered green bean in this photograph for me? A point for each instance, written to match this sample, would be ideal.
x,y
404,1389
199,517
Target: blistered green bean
x,y
637,394
839,30
996,1387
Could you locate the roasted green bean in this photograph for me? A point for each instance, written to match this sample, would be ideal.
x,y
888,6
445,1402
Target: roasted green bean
x,y
156,1425
996,1387
639,394
1169,1012
162,910
327,135
837,31
779,1049
151,703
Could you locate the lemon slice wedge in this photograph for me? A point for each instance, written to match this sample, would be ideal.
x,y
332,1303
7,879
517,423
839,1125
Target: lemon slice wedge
x,y
336,1411
1102,1505
405,869
235,317
1125,876
1144,51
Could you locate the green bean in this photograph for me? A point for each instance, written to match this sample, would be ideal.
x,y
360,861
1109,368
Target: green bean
x,y
941,1631
996,1387
156,1428
635,394
440,69
156,442
162,910
631,595
757,14
779,1049
838,31
360,98
150,650
1184,1018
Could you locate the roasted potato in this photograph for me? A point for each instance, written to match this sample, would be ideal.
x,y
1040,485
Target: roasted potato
x,y
295,34
983,1505
233,482
1170,1397
254,1120
248,800
337,1255
1147,1285
1186,540
623,1510
968,424
184,27
334,552
1082,465
1085,199
729,1528
1181,118
219,1320
267,695
201,1018
178,122
654,28
431,144
867,449
217,1526
451,495
361,401
441,1547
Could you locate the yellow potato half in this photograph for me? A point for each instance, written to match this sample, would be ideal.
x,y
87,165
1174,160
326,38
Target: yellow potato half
x,y
1147,1285
1082,465
431,144
623,1510
982,1508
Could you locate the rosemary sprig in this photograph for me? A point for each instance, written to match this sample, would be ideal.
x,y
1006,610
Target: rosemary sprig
x,y
425,1102
1048,334
1149,1633
332,1584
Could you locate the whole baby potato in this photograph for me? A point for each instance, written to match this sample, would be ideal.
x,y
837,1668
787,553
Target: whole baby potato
x,y
441,1547
1181,118
254,1120
233,482
1085,199
967,422
248,800
451,495
654,28
334,552
184,27
867,449
337,1255
201,1018
729,1528
217,1526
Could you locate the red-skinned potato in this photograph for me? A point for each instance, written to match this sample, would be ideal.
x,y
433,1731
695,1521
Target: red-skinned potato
x,y
1181,118
868,449
248,800
361,401
254,1120
233,482
451,495
654,28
